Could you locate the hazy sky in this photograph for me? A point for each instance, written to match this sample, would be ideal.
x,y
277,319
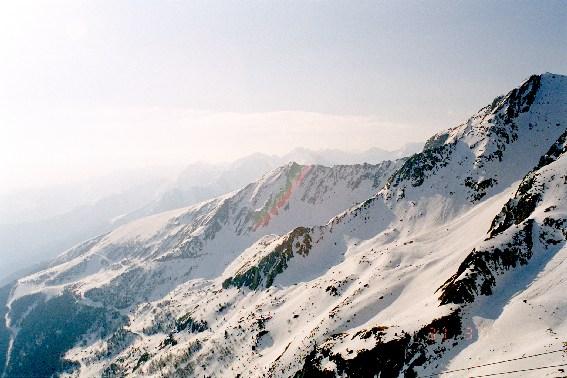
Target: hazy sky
x,y
88,87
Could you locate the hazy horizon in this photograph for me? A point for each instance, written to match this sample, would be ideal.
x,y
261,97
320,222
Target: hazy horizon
x,y
92,88
40,223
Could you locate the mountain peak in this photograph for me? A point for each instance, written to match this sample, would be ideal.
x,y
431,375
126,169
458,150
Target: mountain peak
x,y
259,281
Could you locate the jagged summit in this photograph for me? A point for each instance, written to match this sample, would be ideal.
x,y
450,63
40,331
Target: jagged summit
x,y
403,268
494,148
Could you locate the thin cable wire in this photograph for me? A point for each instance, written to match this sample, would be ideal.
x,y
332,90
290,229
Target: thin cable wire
x,y
518,371
497,362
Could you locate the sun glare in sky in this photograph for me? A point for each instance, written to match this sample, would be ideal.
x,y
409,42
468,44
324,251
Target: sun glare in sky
x,y
91,87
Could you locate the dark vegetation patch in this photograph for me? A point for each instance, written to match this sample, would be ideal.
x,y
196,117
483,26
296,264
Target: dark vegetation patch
x,y
183,367
53,327
118,292
119,341
20,306
4,332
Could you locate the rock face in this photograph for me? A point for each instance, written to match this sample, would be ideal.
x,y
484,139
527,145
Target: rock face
x,y
263,273
395,269
510,241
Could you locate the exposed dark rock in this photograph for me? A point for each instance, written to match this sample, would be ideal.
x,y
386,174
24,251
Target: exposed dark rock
x,y
519,208
169,341
477,273
392,358
555,151
274,263
420,166
529,191
186,322
479,188
145,357
436,141
519,100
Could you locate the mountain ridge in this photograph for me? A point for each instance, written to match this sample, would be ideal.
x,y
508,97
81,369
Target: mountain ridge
x,y
119,203
406,282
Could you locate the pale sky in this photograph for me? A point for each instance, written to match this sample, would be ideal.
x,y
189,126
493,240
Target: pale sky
x,y
91,87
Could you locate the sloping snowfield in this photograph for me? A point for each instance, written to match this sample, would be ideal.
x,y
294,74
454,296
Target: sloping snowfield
x,y
446,263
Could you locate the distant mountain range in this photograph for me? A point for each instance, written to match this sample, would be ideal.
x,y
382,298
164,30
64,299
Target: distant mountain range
x,y
446,260
202,181
35,226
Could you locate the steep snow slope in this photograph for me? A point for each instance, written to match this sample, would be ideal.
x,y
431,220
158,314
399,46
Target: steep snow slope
x,y
457,169
383,285
357,296
428,275
207,236
527,311
146,259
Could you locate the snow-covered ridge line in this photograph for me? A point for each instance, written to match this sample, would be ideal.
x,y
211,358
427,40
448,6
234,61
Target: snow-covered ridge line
x,y
464,155
201,291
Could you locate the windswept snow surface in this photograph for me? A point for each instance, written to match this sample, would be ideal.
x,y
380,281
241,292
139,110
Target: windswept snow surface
x,y
451,258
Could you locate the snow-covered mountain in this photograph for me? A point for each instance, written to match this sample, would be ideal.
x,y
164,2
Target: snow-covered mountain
x,y
38,226
409,268
202,181
144,260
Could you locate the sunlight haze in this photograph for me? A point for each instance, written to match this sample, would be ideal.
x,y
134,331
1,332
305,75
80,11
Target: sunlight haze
x,y
90,87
